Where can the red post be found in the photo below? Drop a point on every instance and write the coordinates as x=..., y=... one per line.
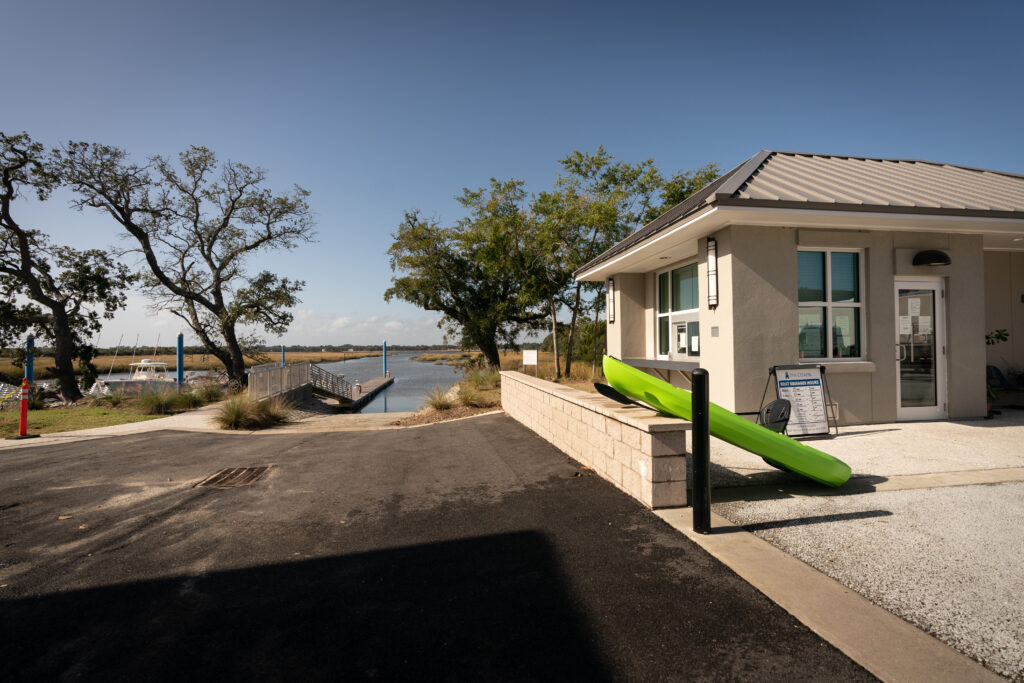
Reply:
x=23, y=421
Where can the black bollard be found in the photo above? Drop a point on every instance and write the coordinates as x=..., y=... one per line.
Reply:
x=701, y=453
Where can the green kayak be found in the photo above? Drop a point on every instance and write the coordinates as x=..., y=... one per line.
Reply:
x=776, y=448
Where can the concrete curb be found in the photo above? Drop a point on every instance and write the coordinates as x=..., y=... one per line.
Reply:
x=881, y=642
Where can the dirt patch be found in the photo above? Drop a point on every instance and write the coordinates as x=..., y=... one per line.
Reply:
x=429, y=415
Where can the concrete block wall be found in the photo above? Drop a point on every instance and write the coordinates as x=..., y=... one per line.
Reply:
x=636, y=449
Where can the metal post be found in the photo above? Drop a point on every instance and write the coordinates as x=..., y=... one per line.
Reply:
x=181, y=359
x=282, y=355
x=30, y=344
x=385, y=358
x=701, y=453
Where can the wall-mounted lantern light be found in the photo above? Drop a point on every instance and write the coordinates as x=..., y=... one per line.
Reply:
x=611, y=300
x=931, y=257
x=712, y=272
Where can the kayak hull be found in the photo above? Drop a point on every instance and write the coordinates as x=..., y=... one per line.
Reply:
x=775, y=448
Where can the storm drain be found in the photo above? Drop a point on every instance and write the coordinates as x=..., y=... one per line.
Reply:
x=232, y=477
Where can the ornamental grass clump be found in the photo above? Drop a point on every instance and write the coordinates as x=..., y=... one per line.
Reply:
x=211, y=392
x=159, y=402
x=474, y=398
x=437, y=398
x=239, y=412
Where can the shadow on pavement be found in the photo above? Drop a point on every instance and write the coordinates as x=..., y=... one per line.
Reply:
x=803, y=521
x=490, y=608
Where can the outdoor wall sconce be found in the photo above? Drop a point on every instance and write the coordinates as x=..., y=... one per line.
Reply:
x=611, y=299
x=712, y=272
x=932, y=257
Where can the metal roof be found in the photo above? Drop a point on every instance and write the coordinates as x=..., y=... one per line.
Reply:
x=790, y=180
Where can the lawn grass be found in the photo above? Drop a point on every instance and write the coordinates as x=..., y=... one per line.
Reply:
x=52, y=420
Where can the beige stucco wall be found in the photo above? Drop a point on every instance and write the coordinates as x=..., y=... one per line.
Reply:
x=627, y=335
x=1004, y=308
x=757, y=317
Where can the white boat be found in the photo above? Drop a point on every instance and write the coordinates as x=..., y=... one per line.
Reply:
x=146, y=375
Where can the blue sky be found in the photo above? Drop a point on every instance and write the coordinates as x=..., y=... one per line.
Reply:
x=385, y=106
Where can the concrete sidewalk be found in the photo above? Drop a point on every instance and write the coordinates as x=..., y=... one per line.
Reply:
x=463, y=551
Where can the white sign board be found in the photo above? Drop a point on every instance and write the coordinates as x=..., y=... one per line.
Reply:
x=803, y=388
x=529, y=357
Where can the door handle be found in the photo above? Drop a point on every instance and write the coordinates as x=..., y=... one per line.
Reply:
x=901, y=353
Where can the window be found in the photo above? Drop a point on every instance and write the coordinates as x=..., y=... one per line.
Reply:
x=829, y=296
x=678, y=293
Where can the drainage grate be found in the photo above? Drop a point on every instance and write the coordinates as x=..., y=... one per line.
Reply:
x=231, y=477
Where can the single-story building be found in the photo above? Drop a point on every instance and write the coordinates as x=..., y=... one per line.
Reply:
x=887, y=272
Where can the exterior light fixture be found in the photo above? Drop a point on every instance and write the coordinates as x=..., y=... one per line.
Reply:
x=712, y=272
x=611, y=299
x=931, y=257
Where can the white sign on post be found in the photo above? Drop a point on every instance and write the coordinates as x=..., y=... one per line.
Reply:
x=803, y=388
x=529, y=357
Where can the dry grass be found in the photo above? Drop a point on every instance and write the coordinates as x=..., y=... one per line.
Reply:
x=44, y=365
x=239, y=412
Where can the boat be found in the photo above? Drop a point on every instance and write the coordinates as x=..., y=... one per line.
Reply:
x=145, y=375
x=777, y=449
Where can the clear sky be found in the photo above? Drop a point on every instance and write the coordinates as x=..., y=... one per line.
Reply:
x=377, y=107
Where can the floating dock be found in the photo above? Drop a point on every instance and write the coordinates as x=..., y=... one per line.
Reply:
x=366, y=393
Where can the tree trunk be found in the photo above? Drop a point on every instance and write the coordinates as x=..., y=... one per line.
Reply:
x=597, y=315
x=570, y=342
x=490, y=350
x=64, y=356
x=554, y=336
x=236, y=365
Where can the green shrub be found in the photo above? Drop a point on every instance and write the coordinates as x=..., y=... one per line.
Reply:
x=115, y=398
x=438, y=399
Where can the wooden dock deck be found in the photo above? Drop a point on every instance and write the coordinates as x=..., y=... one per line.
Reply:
x=370, y=389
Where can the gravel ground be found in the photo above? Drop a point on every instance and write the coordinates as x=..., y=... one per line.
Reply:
x=947, y=560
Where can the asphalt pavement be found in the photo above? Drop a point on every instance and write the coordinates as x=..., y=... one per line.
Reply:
x=470, y=550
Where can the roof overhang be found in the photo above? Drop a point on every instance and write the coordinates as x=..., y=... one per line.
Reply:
x=680, y=239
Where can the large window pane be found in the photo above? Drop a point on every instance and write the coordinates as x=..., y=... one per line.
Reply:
x=812, y=332
x=845, y=332
x=663, y=336
x=845, y=277
x=811, y=275
x=684, y=288
x=663, y=293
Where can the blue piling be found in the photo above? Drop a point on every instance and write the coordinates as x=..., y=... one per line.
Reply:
x=181, y=358
x=30, y=345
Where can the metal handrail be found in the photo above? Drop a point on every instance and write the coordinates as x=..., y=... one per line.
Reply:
x=329, y=382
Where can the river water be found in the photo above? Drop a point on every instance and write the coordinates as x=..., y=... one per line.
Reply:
x=413, y=380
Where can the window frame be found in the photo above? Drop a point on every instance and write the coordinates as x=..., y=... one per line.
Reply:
x=828, y=305
x=667, y=315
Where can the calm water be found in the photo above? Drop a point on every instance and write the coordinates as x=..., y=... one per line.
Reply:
x=412, y=380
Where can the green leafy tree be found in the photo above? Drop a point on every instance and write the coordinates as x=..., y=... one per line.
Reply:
x=597, y=201
x=59, y=293
x=195, y=224
x=471, y=272
x=680, y=186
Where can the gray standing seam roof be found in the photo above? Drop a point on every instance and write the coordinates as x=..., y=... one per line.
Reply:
x=791, y=180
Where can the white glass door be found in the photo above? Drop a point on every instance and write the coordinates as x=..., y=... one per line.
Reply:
x=920, y=349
